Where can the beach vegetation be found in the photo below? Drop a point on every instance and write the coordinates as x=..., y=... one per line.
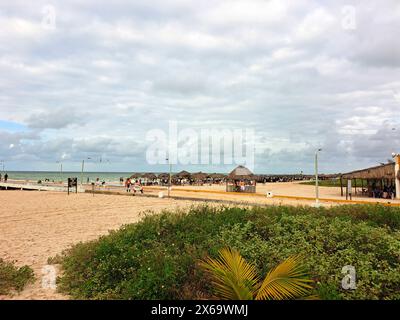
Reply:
x=162, y=256
x=13, y=278
x=233, y=278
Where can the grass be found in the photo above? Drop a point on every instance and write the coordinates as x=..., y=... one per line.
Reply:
x=158, y=258
x=13, y=278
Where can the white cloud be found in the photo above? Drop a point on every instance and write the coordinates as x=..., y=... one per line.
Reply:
x=110, y=72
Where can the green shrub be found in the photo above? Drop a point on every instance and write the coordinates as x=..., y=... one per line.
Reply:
x=157, y=258
x=13, y=278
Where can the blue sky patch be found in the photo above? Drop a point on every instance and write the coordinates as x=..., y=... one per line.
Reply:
x=11, y=126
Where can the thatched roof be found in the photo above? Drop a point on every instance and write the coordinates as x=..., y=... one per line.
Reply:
x=241, y=172
x=136, y=175
x=217, y=176
x=182, y=175
x=199, y=176
x=385, y=171
x=149, y=175
x=163, y=175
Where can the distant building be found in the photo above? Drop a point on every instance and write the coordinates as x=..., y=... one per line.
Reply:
x=380, y=181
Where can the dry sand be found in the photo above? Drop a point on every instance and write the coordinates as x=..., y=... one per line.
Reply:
x=37, y=225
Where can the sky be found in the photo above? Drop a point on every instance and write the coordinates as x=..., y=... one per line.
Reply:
x=91, y=79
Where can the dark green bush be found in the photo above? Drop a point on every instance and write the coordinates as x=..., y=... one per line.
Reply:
x=13, y=278
x=157, y=258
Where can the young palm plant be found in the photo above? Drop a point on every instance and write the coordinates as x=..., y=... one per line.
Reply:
x=235, y=279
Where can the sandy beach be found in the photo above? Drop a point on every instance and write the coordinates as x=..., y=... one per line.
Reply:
x=37, y=225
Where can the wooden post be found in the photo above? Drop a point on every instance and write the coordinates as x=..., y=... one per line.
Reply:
x=355, y=186
x=341, y=185
x=397, y=175
x=362, y=187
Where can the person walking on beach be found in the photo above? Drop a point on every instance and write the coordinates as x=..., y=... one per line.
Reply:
x=138, y=186
x=128, y=185
x=5, y=177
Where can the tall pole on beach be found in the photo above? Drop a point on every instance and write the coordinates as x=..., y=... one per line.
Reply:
x=170, y=176
x=60, y=170
x=83, y=166
x=316, y=178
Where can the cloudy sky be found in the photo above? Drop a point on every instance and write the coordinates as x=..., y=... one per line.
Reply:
x=83, y=79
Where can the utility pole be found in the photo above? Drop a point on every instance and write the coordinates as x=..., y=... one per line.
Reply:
x=61, y=170
x=170, y=177
x=83, y=166
x=316, y=178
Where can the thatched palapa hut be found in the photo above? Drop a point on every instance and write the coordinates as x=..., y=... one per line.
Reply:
x=146, y=178
x=198, y=178
x=241, y=179
x=182, y=177
x=216, y=178
x=380, y=181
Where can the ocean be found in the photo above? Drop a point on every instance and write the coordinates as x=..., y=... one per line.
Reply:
x=57, y=176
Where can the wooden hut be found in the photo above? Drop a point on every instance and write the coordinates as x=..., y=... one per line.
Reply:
x=378, y=181
x=216, y=178
x=163, y=178
x=135, y=175
x=182, y=177
x=241, y=179
x=198, y=178
x=148, y=178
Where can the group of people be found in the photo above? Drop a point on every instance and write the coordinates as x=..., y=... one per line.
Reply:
x=5, y=177
x=388, y=192
x=136, y=185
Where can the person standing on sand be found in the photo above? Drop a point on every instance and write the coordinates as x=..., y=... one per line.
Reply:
x=5, y=177
x=138, y=186
x=128, y=185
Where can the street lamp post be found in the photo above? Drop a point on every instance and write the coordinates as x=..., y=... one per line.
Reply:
x=170, y=177
x=61, y=170
x=316, y=178
x=83, y=167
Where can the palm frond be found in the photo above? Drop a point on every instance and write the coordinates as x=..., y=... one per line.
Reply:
x=233, y=278
x=287, y=281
